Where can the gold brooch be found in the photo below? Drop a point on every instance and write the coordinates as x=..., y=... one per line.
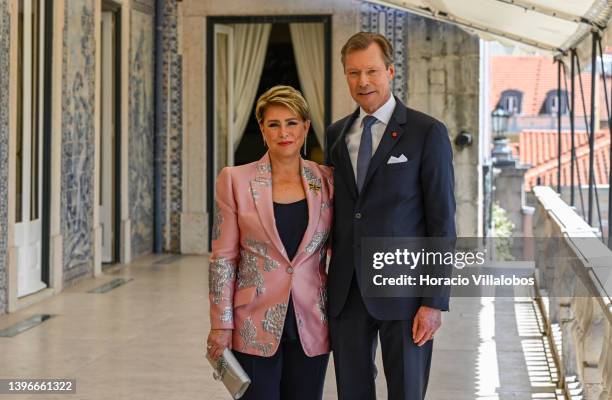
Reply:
x=314, y=186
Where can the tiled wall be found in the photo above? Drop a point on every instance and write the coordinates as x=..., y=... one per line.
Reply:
x=391, y=23
x=77, y=158
x=78, y=139
x=142, y=134
x=172, y=137
x=142, y=114
x=4, y=136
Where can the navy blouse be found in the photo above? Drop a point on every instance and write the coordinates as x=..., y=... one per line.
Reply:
x=291, y=223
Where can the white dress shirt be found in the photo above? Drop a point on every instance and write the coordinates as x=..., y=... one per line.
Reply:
x=353, y=136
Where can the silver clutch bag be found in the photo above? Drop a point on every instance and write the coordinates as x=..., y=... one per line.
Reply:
x=229, y=371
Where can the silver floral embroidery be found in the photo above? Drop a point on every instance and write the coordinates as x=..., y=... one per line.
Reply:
x=227, y=315
x=264, y=168
x=314, y=183
x=275, y=319
x=264, y=348
x=322, y=304
x=259, y=247
x=263, y=181
x=220, y=272
x=248, y=272
x=325, y=205
x=255, y=194
x=248, y=333
x=308, y=174
x=317, y=239
x=270, y=264
x=262, y=249
x=217, y=221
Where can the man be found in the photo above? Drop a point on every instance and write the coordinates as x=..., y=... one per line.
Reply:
x=411, y=196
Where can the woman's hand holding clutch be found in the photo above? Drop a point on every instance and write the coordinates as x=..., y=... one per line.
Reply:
x=218, y=340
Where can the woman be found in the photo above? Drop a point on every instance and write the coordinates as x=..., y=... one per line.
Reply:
x=267, y=272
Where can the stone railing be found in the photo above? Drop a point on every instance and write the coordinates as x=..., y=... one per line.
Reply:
x=574, y=287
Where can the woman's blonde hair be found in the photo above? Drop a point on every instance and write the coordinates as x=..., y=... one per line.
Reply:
x=284, y=96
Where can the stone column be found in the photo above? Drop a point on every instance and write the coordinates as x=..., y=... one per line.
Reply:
x=509, y=193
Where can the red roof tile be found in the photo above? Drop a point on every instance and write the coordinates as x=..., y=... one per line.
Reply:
x=535, y=76
x=539, y=149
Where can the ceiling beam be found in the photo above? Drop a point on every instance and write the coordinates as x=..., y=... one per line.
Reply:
x=453, y=19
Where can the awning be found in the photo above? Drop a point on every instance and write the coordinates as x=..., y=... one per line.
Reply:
x=552, y=26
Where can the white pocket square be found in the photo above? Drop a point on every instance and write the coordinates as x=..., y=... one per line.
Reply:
x=397, y=160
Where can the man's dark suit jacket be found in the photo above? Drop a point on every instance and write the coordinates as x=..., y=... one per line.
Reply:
x=410, y=199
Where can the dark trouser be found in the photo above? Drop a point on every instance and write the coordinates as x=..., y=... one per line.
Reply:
x=288, y=375
x=353, y=339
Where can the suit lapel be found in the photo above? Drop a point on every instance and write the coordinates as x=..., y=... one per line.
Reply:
x=312, y=183
x=388, y=141
x=261, y=190
x=345, y=159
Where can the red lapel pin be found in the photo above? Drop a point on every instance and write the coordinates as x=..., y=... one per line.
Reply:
x=394, y=135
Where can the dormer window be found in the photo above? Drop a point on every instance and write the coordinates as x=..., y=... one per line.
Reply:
x=551, y=104
x=511, y=101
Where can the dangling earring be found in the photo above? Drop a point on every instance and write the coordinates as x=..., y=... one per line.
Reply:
x=264, y=140
x=305, y=140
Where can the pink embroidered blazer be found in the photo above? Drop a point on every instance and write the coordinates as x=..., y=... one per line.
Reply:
x=250, y=276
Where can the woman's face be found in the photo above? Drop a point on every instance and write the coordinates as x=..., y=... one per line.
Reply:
x=284, y=132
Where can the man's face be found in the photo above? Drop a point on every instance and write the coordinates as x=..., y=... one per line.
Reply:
x=368, y=79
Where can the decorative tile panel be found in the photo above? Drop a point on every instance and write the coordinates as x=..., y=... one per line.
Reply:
x=175, y=155
x=172, y=131
x=77, y=166
x=4, y=137
x=141, y=142
x=390, y=23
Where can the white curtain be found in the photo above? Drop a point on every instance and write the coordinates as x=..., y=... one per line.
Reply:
x=222, y=107
x=250, y=45
x=308, y=46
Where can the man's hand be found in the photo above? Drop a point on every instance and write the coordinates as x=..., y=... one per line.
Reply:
x=218, y=340
x=426, y=322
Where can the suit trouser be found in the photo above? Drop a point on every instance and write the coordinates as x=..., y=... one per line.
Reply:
x=353, y=339
x=288, y=375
